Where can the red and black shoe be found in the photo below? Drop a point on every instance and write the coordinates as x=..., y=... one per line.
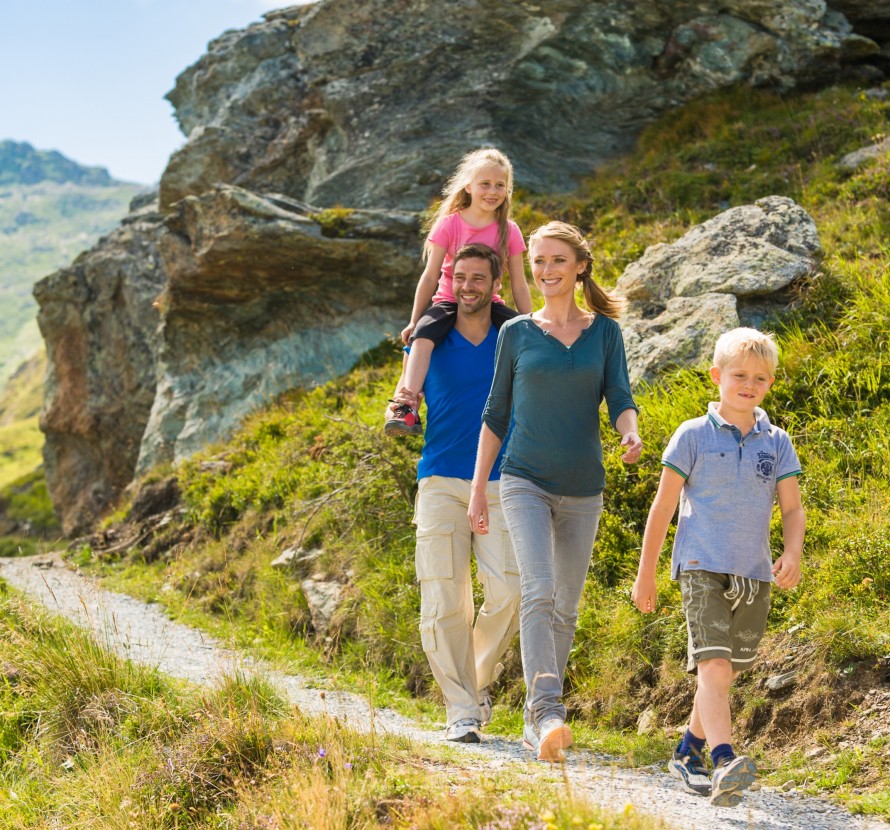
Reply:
x=405, y=421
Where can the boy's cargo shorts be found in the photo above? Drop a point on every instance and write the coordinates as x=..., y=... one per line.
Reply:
x=725, y=617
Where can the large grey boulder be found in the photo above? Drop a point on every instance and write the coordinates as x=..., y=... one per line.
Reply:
x=734, y=269
x=354, y=102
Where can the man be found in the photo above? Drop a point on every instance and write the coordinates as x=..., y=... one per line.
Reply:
x=463, y=657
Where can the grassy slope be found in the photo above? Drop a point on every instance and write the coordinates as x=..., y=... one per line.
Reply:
x=314, y=471
x=42, y=228
x=20, y=437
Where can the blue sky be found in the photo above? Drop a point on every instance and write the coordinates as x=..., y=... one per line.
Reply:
x=88, y=77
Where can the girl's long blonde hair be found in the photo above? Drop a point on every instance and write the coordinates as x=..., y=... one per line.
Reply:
x=596, y=298
x=455, y=197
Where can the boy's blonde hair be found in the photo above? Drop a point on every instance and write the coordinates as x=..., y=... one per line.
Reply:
x=745, y=342
x=455, y=197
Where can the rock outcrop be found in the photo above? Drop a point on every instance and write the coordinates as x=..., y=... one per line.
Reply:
x=368, y=104
x=260, y=300
x=102, y=339
x=735, y=269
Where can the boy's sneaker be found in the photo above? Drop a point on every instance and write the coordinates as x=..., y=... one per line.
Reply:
x=465, y=731
x=730, y=780
x=691, y=770
x=550, y=741
x=405, y=421
x=484, y=707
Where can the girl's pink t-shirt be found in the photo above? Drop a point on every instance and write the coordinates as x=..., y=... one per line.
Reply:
x=451, y=232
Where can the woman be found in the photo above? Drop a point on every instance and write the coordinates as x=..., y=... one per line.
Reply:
x=552, y=370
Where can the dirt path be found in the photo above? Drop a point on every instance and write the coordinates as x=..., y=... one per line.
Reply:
x=142, y=632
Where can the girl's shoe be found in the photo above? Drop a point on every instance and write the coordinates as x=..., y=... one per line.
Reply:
x=405, y=421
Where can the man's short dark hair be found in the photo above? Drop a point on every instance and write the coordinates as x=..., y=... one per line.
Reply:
x=476, y=250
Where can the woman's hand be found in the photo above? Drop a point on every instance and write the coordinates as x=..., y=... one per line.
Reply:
x=407, y=332
x=477, y=512
x=634, y=445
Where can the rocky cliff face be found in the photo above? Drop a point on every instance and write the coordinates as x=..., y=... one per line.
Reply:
x=230, y=288
x=369, y=102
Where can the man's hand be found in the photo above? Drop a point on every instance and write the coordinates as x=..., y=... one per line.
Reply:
x=404, y=395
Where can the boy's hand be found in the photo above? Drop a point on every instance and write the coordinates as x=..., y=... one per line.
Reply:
x=644, y=594
x=786, y=570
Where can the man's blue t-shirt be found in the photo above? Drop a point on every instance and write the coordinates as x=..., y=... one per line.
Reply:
x=456, y=389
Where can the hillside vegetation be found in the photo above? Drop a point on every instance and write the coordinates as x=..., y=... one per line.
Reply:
x=51, y=209
x=314, y=471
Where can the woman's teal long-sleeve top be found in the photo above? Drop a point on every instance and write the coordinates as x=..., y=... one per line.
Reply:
x=553, y=394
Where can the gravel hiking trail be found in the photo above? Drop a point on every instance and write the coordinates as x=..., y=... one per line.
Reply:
x=144, y=634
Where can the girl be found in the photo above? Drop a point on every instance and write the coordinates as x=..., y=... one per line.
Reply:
x=475, y=208
x=552, y=370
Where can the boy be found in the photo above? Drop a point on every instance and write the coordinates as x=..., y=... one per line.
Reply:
x=725, y=469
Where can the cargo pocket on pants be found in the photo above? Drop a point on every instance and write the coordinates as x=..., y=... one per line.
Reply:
x=428, y=629
x=433, y=557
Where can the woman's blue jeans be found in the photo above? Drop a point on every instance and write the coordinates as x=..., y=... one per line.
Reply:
x=552, y=537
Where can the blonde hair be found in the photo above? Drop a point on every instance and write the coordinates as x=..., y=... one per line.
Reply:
x=596, y=298
x=745, y=342
x=455, y=197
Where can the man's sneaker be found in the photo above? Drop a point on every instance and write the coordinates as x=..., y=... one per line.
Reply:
x=484, y=707
x=691, y=770
x=550, y=741
x=405, y=421
x=730, y=780
x=464, y=731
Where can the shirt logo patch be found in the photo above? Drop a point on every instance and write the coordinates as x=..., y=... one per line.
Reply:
x=765, y=466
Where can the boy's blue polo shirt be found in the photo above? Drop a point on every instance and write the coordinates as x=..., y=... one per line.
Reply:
x=727, y=500
x=456, y=389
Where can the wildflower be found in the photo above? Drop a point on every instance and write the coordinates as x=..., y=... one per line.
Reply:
x=347, y=765
x=548, y=816
x=628, y=809
x=321, y=752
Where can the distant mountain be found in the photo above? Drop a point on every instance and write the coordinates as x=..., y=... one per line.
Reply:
x=20, y=163
x=51, y=209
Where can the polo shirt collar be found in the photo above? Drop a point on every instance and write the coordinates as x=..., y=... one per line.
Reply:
x=761, y=419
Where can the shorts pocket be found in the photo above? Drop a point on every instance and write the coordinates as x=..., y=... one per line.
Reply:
x=433, y=558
